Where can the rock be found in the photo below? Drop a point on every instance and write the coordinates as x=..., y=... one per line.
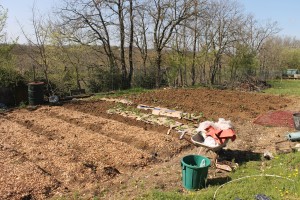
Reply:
x=268, y=155
x=296, y=147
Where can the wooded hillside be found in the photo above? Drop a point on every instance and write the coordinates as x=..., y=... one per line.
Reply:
x=105, y=45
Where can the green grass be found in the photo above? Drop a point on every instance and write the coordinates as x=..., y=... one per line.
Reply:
x=278, y=179
x=119, y=93
x=284, y=87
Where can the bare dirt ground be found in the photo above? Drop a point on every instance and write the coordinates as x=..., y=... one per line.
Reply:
x=79, y=150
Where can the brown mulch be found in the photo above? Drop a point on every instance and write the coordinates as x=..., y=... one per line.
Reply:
x=276, y=118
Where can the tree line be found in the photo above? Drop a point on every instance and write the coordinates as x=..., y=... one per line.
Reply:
x=117, y=44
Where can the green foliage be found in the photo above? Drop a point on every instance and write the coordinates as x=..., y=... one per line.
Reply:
x=10, y=77
x=22, y=104
x=123, y=93
x=157, y=195
x=291, y=58
x=205, y=58
x=175, y=63
x=5, y=54
x=243, y=63
x=284, y=87
x=68, y=80
x=131, y=91
x=3, y=18
x=144, y=80
x=104, y=81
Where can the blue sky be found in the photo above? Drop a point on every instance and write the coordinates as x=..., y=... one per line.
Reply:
x=20, y=12
x=285, y=12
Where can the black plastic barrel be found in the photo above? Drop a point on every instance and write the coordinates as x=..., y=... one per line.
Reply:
x=36, y=93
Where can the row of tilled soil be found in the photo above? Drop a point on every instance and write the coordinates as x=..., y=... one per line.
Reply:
x=20, y=178
x=84, y=142
x=33, y=156
x=59, y=150
x=152, y=142
x=100, y=108
x=70, y=154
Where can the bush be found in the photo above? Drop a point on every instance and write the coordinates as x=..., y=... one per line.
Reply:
x=144, y=81
x=104, y=81
x=13, y=88
x=10, y=78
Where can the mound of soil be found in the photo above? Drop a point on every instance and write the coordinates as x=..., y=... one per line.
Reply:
x=214, y=104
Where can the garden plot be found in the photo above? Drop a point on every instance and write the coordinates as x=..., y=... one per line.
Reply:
x=149, y=141
x=16, y=170
x=79, y=149
x=65, y=150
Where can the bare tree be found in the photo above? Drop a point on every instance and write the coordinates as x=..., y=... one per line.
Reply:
x=71, y=55
x=165, y=16
x=5, y=53
x=203, y=34
x=38, y=45
x=200, y=9
x=253, y=34
x=195, y=35
x=140, y=34
x=222, y=21
x=101, y=22
x=131, y=40
x=270, y=58
x=3, y=18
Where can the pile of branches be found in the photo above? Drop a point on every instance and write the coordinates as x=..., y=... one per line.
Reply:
x=251, y=84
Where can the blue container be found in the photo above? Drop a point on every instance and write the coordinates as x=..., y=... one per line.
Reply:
x=293, y=136
x=194, y=171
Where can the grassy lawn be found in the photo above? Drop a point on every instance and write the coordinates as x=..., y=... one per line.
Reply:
x=277, y=179
x=119, y=93
x=284, y=87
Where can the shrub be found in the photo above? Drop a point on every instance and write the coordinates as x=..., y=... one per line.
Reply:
x=10, y=78
x=104, y=80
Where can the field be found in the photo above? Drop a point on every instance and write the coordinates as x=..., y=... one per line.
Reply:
x=284, y=87
x=78, y=150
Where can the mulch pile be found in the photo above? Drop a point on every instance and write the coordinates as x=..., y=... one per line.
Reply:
x=276, y=118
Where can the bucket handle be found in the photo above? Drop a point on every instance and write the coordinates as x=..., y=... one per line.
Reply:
x=183, y=166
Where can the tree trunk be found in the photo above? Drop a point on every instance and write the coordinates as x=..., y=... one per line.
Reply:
x=213, y=71
x=122, y=46
x=130, y=56
x=193, y=71
x=158, y=62
x=77, y=78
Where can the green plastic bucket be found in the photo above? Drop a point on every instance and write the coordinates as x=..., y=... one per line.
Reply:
x=36, y=93
x=194, y=171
